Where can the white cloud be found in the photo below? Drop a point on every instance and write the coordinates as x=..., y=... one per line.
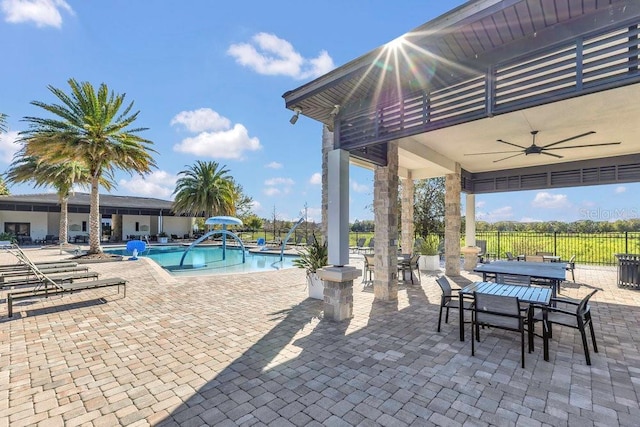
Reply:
x=504, y=213
x=359, y=188
x=620, y=190
x=316, y=179
x=41, y=12
x=228, y=144
x=272, y=191
x=528, y=219
x=273, y=165
x=278, y=186
x=256, y=206
x=480, y=204
x=201, y=120
x=8, y=146
x=279, y=181
x=159, y=184
x=270, y=55
x=547, y=200
x=313, y=215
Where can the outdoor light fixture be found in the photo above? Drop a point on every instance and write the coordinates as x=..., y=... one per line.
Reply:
x=294, y=118
x=335, y=111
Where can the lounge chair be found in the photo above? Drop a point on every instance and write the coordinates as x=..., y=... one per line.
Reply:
x=43, y=270
x=59, y=278
x=52, y=287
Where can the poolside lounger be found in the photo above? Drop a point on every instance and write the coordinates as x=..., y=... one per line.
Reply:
x=25, y=267
x=61, y=288
x=30, y=272
x=51, y=287
x=58, y=278
x=44, y=264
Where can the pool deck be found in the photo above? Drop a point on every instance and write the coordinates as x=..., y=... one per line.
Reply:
x=251, y=349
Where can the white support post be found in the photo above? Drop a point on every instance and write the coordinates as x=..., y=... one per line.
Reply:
x=338, y=207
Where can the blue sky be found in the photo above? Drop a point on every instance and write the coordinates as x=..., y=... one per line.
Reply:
x=208, y=79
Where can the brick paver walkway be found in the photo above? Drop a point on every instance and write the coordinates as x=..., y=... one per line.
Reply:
x=253, y=350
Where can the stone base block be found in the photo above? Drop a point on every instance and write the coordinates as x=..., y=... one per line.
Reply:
x=338, y=291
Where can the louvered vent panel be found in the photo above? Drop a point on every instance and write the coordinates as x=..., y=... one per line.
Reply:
x=629, y=172
x=533, y=180
x=565, y=178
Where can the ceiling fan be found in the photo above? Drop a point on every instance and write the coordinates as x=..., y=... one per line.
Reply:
x=542, y=149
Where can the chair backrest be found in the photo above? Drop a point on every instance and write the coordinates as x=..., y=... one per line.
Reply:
x=572, y=262
x=368, y=261
x=360, y=242
x=482, y=244
x=371, y=242
x=260, y=241
x=513, y=279
x=497, y=310
x=535, y=258
x=414, y=260
x=583, y=307
x=510, y=256
x=444, y=285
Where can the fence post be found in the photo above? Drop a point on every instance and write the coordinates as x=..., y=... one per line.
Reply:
x=555, y=243
x=499, y=252
x=626, y=242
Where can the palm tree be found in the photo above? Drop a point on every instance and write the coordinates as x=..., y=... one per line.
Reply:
x=3, y=123
x=61, y=176
x=205, y=189
x=93, y=128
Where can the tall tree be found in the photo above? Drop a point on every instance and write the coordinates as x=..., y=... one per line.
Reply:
x=205, y=189
x=3, y=123
x=243, y=202
x=93, y=128
x=61, y=176
x=428, y=214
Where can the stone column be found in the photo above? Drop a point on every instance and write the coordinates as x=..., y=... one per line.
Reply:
x=116, y=226
x=470, y=220
x=452, y=223
x=385, y=207
x=407, y=227
x=327, y=145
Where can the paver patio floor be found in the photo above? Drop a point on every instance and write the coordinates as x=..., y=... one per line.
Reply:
x=253, y=350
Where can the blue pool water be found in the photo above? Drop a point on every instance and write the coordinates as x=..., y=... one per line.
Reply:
x=205, y=260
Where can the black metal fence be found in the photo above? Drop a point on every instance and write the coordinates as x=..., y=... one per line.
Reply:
x=589, y=248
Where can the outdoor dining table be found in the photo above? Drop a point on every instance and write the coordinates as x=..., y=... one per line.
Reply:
x=554, y=272
x=534, y=295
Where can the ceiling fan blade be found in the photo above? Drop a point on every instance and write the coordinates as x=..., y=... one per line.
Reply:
x=492, y=152
x=505, y=158
x=586, y=145
x=551, y=154
x=569, y=139
x=510, y=143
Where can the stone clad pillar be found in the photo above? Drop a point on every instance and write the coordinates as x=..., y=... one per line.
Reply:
x=452, y=222
x=470, y=220
x=338, y=276
x=327, y=145
x=385, y=207
x=407, y=227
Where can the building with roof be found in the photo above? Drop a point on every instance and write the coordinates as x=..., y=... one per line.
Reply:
x=38, y=215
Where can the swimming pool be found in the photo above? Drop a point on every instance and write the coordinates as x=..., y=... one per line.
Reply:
x=206, y=260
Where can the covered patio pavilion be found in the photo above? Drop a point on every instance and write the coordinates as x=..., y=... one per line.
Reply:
x=487, y=77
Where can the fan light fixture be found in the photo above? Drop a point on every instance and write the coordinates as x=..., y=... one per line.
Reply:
x=543, y=149
x=294, y=118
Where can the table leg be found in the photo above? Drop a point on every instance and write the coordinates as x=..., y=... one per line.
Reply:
x=530, y=322
x=461, y=317
x=545, y=333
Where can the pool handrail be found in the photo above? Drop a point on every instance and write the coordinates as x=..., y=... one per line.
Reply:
x=286, y=239
x=211, y=233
